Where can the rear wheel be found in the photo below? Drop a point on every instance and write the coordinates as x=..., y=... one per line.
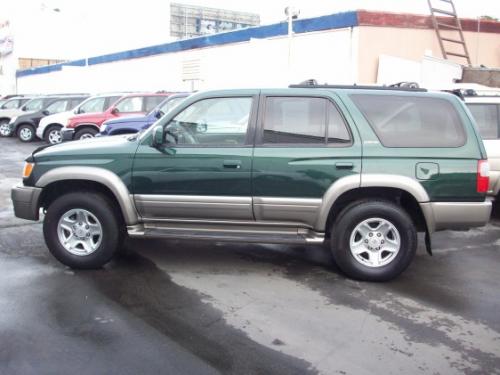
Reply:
x=5, y=130
x=83, y=230
x=26, y=133
x=86, y=133
x=373, y=240
x=53, y=135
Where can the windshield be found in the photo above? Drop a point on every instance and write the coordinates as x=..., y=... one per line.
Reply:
x=93, y=105
x=171, y=103
x=10, y=104
x=34, y=105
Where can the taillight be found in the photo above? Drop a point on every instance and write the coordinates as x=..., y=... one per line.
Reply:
x=483, y=176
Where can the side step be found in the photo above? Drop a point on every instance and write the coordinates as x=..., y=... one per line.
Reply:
x=229, y=234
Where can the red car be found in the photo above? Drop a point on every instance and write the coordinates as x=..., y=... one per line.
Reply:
x=87, y=125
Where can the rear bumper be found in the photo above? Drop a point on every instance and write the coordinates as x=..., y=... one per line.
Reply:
x=67, y=134
x=26, y=201
x=456, y=215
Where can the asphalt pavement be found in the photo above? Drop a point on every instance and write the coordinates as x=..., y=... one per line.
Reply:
x=188, y=307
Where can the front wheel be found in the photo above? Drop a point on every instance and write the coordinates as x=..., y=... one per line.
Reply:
x=5, y=129
x=26, y=133
x=86, y=133
x=373, y=240
x=83, y=230
x=53, y=135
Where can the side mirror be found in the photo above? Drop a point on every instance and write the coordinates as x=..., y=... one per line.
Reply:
x=114, y=111
x=201, y=128
x=158, y=136
x=159, y=114
x=23, y=108
x=45, y=112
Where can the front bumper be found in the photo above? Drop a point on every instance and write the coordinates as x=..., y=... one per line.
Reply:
x=67, y=134
x=456, y=215
x=26, y=201
x=39, y=131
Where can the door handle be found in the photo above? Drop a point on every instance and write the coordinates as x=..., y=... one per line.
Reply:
x=234, y=164
x=344, y=165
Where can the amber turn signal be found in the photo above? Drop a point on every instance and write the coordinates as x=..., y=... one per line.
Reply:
x=28, y=168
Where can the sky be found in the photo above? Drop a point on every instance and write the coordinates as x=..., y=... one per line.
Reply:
x=70, y=29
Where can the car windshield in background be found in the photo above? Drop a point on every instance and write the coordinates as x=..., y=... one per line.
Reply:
x=34, y=105
x=412, y=121
x=93, y=105
x=169, y=104
x=486, y=116
x=10, y=104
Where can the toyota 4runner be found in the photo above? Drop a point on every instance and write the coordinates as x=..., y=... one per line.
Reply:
x=359, y=169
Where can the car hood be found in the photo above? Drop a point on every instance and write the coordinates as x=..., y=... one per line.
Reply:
x=57, y=118
x=127, y=119
x=12, y=113
x=88, y=148
x=25, y=115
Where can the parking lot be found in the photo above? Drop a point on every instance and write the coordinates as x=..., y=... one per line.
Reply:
x=197, y=307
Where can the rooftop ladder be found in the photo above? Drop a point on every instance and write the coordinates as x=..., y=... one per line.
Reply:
x=446, y=22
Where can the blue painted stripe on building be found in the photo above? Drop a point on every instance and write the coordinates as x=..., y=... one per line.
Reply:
x=333, y=21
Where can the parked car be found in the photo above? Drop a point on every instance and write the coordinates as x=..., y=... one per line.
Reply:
x=24, y=126
x=6, y=115
x=87, y=125
x=50, y=126
x=484, y=104
x=359, y=169
x=130, y=125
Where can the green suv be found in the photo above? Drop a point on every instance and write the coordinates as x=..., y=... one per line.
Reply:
x=359, y=169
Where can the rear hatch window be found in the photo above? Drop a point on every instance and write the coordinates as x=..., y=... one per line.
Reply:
x=412, y=121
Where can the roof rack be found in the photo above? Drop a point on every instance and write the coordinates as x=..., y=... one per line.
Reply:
x=400, y=86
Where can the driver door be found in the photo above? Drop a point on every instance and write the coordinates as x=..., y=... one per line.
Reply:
x=203, y=169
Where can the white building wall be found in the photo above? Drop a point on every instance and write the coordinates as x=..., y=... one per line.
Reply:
x=325, y=55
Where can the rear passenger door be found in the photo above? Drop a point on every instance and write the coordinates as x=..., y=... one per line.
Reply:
x=304, y=144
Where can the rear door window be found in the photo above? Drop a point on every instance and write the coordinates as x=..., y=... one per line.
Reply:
x=412, y=121
x=486, y=116
x=303, y=120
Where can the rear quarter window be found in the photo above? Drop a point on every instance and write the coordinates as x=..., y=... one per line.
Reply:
x=412, y=121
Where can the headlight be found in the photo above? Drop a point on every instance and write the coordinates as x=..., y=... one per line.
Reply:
x=28, y=168
x=103, y=127
x=13, y=119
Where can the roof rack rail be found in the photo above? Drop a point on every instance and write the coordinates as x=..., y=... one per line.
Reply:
x=401, y=86
x=68, y=94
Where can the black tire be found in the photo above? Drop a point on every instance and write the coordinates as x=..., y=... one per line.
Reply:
x=113, y=229
x=85, y=133
x=26, y=133
x=5, y=131
x=49, y=134
x=355, y=214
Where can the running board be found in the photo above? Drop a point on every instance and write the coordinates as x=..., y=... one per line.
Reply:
x=228, y=233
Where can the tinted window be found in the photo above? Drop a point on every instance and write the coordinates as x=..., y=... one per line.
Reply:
x=131, y=104
x=486, y=116
x=93, y=105
x=300, y=120
x=218, y=121
x=34, y=105
x=11, y=104
x=410, y=121
x=74, y=102
x=152, y=101
x=57, y=107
